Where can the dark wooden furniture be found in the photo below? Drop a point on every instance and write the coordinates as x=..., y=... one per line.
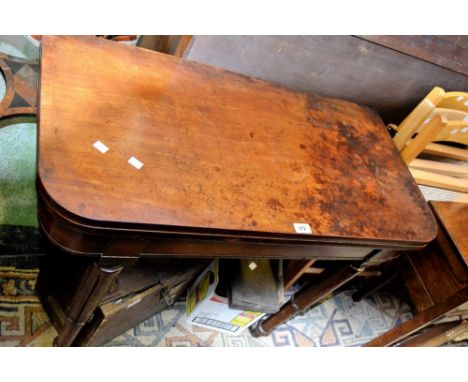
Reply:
x=450, y=52
x=227, y=166
x=140, y=291
x=21, y=93
x=437, y=282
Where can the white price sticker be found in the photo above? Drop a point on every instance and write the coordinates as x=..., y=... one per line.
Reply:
x=302, y=228
x=135, y=163
x=98, y=145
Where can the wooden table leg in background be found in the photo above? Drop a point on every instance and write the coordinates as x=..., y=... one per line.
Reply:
x=305, y=298
x=95, y=283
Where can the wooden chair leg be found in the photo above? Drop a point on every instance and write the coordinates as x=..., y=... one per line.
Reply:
x=448, y=169
x=427, y=178
x=410, y=124
x=420, y=320
x=415, y=146
x=446, y=151
x=305, y=298
x=89, y=293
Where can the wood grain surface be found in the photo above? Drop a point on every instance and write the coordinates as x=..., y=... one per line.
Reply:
x=454, y=219
x=345, y=67
x=20, y=76
x=221, y=152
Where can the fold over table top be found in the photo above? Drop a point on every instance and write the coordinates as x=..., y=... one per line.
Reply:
x=214, y=152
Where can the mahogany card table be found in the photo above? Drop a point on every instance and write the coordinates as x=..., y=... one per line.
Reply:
x=142, y=154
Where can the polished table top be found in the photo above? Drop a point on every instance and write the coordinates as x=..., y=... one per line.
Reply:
x=137, y=138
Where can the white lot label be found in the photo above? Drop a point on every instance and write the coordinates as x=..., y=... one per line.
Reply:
x=135, y=163
x=302, y=228
x=98, y=145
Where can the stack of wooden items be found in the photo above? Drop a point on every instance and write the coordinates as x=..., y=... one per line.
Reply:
x=440, y=117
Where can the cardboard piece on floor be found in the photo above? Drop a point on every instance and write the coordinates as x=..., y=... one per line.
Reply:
x=208, y=309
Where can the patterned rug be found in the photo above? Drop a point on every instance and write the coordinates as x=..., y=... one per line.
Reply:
x=23, y=321
x=338, y=321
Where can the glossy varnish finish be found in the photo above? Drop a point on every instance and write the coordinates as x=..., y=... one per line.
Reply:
x=221, y=152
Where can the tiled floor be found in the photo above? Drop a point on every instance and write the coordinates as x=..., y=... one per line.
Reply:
x=336, y=322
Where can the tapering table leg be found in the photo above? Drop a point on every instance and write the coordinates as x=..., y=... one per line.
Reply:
x=305, y=298
x=95, y=283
